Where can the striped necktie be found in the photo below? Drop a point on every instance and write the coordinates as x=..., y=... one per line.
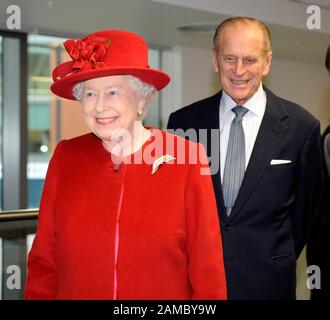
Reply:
x=235, y=159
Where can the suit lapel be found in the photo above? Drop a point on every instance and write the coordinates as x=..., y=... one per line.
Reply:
x=271, y=132
x=208, y=114
x=207, y=117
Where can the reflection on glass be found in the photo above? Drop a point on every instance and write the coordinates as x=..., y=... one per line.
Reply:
x=43, y=54
x=1, y=91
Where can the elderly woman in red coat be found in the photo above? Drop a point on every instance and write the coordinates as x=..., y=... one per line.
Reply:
x=127, y=211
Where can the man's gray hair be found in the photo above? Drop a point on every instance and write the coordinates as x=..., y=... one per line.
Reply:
x=243, y=21
x=142, y=89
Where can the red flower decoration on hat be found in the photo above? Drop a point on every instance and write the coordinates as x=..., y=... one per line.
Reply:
x=88, y=53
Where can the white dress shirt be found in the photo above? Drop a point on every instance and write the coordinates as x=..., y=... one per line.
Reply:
x=251, y=123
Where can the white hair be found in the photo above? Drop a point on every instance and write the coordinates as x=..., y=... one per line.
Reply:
x=142, y=89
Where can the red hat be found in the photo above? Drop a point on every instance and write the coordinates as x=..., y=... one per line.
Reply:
x=105, y=53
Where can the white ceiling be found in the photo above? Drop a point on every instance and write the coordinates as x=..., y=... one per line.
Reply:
x=158, y=20
x=290, y=13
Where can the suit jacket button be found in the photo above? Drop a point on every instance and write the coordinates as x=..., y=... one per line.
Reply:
x=227, y=227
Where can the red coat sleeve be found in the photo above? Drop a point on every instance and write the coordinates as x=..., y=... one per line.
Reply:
x=41, y=282
x=204, y=245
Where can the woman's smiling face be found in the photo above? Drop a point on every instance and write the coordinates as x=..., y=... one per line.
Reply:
x=110, y=105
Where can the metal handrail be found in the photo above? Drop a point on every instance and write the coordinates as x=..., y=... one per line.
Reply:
x=18, y=215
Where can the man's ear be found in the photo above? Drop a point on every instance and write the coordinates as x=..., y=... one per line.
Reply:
x=268, y=63
x=215, y=60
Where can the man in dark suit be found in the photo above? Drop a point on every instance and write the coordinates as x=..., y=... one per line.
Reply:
x=268, y=184
x=318, y=246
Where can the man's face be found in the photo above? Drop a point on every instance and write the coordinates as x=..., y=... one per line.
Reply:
x=240, y=61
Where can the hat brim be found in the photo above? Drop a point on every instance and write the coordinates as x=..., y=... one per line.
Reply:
x=63, y=87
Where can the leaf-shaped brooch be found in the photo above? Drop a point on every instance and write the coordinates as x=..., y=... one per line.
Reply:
x=163, y=159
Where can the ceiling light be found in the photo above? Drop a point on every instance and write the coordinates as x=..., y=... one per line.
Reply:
x=199, y=27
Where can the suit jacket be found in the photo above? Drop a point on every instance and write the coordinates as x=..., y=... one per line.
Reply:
x=271, y=219
x=318, y=245
x=105, y=233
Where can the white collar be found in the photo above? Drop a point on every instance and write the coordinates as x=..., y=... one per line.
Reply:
x=256, y=104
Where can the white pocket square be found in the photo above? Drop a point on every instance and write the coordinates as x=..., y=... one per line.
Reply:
x=279, y=161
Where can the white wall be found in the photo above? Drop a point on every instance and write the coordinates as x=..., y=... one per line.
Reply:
x=192, y=78
x=199, y=80
x=304, y=83
x=194, y=70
